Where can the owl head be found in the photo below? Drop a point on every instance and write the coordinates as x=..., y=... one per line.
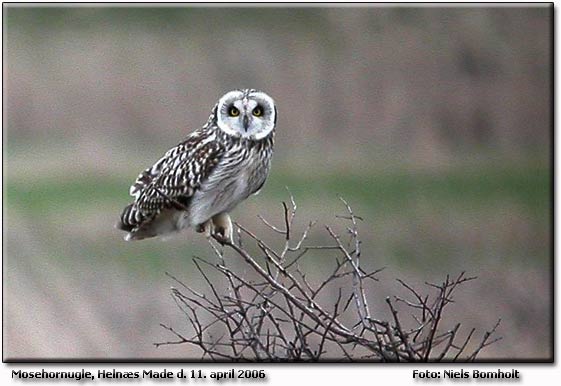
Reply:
x=246, y=113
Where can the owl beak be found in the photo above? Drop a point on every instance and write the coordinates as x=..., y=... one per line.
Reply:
x=245, y=122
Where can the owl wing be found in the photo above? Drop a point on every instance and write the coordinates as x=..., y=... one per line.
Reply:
x=172, y=181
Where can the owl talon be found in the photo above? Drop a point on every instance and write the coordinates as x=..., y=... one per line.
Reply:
x=223, y=230
x=219, y=236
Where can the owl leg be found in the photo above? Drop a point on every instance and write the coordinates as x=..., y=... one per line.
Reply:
x=205, y=228
x=223, y=228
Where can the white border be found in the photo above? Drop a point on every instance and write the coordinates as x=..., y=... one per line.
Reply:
x=320, y=374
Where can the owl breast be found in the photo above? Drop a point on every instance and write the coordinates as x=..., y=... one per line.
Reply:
x=238, y=175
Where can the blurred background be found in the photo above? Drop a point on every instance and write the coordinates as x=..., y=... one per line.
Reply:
x=433, y=123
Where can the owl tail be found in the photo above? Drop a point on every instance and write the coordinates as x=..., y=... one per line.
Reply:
x=141, y=227
x=130, y=218
x=129, y=222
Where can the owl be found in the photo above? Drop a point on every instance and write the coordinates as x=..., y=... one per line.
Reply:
x=198, y=182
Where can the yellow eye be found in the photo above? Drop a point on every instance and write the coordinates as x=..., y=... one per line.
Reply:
x=233, y=111
x=257, y=111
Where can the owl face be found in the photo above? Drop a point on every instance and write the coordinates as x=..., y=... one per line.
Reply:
x=248, y=114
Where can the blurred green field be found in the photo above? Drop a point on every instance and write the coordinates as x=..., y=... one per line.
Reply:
x=390, y=202
x=527, y=185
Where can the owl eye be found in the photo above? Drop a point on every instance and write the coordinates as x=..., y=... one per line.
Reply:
x=233, y=111
x=258, y=111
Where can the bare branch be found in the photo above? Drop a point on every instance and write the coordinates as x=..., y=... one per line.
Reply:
x=264, y=306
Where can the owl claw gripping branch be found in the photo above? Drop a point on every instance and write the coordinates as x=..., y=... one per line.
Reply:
x=198, y=182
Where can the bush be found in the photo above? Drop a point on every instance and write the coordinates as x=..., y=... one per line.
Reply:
x=270, y=311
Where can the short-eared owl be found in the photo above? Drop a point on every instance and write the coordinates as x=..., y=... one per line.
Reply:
x=199, y=181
